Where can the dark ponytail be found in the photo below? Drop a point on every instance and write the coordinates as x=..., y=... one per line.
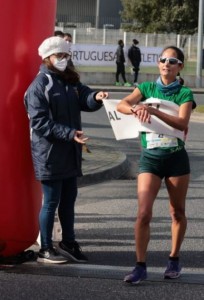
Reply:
x=180, y=79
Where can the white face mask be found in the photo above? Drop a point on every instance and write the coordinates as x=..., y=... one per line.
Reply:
x=60, y=64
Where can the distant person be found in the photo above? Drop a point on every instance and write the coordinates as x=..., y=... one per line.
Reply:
x=54, y=102
x=163, y=157
x=120, y=64
x=134, y=56
x=59, y=33
x=68, y=38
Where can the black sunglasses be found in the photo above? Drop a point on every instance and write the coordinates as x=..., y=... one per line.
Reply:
x=170, y=60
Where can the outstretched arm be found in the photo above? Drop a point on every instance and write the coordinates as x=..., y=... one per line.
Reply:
x=101, y=95
x=126, y=105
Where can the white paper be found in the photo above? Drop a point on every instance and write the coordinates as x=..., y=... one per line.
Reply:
x=128, y=126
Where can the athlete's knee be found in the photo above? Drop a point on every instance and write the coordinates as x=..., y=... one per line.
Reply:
x=144, y=217
x=178, y=215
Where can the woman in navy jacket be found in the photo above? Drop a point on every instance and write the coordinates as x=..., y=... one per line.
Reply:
x=54, y=102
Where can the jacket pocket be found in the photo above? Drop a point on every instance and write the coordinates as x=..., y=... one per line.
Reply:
x=61, y=157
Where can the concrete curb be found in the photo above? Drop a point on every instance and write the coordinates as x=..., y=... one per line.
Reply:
x=122, y=89
x=103, y=163
x=197, y=117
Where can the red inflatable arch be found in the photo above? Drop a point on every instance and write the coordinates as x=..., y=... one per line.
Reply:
x=24, y=25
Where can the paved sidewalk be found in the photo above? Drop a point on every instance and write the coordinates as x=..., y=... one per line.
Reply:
x=102, y=163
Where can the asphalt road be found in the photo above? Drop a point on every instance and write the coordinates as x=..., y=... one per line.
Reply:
x=105, y=215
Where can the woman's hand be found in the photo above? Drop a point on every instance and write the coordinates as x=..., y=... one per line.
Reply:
x=142, y=113
x=101, y=95
x=79, y=137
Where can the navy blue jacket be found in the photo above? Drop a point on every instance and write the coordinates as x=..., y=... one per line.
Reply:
x=54, y=109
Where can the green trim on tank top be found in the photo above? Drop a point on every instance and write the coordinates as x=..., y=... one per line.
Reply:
x=162, y=151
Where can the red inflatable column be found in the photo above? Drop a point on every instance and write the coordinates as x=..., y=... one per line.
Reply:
x=23, y=26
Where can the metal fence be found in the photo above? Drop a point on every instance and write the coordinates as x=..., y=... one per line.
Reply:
x=111, y=36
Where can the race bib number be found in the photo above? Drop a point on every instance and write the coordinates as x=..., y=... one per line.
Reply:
x=155, y=140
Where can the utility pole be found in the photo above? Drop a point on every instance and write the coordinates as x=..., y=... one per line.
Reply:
x=200, y=46
x=97, y=13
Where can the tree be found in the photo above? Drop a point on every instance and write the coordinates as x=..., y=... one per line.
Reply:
x=160, y=16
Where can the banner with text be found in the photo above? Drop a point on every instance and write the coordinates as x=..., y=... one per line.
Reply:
x=104, y=55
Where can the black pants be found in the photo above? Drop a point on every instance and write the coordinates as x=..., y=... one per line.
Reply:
x=136, y=72
x=120, y=69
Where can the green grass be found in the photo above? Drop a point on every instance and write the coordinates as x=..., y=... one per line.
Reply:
x=189, y=69
x=200, y=109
